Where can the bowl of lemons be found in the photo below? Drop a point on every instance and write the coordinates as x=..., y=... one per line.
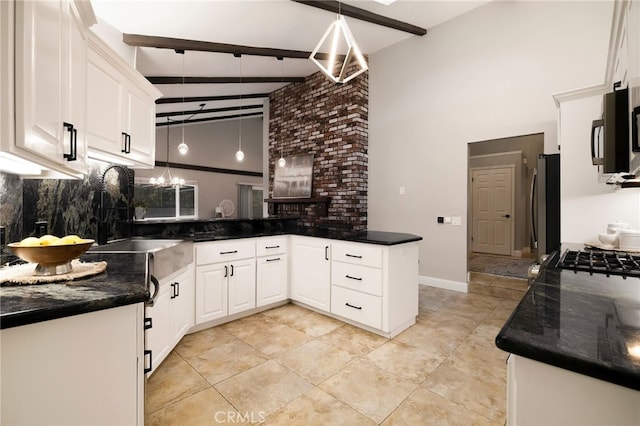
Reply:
x=52, y=254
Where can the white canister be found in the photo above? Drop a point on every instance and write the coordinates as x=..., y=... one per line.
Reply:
x=629, y=239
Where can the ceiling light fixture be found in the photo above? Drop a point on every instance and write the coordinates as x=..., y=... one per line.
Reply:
x=343, y=53
x=239, y=153
x=183, y=148
x=166, y=179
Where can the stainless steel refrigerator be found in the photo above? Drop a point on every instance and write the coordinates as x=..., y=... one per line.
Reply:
x=545, y=204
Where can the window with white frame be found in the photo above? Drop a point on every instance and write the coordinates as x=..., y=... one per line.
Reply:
x=167, y=202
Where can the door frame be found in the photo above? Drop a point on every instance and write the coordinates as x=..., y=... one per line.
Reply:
x=513, y=205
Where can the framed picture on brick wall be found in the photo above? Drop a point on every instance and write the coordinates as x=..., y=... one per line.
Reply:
x=295, y=178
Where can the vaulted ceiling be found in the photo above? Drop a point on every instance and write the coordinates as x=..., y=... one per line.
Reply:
x=226, y=73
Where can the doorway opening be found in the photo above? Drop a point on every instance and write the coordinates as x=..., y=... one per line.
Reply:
x=499, y=205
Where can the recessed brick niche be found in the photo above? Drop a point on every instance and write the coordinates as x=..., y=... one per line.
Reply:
x=331, y=122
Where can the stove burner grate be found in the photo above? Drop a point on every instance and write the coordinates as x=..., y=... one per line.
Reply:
x=601, y=262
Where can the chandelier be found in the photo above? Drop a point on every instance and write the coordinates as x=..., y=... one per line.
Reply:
x=343, y=53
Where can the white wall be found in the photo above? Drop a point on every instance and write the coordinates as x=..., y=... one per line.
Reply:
x=485, y=75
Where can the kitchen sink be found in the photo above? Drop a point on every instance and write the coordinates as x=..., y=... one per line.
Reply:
x=136, y=246
x=163, y=257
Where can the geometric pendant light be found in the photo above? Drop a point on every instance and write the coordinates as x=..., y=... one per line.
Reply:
x=343, y=52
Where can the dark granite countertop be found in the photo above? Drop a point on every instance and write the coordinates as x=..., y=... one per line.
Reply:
x=123, y=283
x=368, y=237
x=586, y=323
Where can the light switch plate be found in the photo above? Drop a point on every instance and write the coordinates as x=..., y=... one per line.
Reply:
x=456, y=220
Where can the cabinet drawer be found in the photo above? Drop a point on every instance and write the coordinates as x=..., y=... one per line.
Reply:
x=223, y=251
x=361, y=307
x=271, y=245
x=357, y=277
x=357, y=254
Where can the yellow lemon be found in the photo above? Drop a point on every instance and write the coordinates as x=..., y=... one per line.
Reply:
x=70, y=240
x=48, y=240
x=30, y=242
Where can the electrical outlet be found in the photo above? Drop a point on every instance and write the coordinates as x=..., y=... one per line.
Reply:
x=456, y=220
x=402, y=190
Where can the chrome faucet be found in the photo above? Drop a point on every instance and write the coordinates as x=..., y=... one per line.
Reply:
x=102, y=216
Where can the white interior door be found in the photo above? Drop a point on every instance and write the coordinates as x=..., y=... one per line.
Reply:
x=492, y=195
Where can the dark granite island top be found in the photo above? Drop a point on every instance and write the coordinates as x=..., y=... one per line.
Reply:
x=122, y=283
x=589, y=324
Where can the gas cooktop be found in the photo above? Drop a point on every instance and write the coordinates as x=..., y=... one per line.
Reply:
x=601, y=262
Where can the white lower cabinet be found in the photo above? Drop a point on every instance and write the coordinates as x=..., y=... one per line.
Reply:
x=542, y=394
x=172, y=314
x=224, y=288
x=357, y=306
x=375, y=285
x=311, y=272
x=83, y=369
x=272, y=276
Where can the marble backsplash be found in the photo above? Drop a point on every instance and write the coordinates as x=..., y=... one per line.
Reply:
x=67, y=206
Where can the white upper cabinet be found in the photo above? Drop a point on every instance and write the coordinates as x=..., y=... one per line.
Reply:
x=50, y=80
x=120, y=109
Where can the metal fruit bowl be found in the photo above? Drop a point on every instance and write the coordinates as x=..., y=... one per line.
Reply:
x=52, y=259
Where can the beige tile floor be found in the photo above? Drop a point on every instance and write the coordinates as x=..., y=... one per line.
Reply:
x=292, y=366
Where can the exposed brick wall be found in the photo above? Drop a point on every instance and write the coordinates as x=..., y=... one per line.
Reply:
x=331, y=122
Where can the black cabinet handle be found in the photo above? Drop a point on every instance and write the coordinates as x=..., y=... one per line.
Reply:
x=353, y=255
x=354, y=307
x=226, y=271
x=73, y=142
x=273, y=260
x=229, y=252
x=353, y=278
x=148, y=369
x=148, y=323
x=231, y=270
x=271, y=247
x=326, y=252
x=126, y=142
x=173, y=290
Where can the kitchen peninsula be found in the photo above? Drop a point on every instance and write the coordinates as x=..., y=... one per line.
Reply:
x=574, y=341
x=371, y=281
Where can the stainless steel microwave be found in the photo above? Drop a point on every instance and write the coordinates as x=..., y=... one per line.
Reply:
x=610, y=135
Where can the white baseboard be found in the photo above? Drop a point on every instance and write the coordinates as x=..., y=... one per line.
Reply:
x=441, y=283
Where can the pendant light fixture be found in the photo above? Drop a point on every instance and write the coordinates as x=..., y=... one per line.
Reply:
x=166, y=179
x=183, y=148
x=239, y=153
x=338, y=63
x=281, y=162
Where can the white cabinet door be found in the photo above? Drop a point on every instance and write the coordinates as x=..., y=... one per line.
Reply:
x=211, y=292
x=311, y=272
x=272, y=279
x=183, y=304
x=242, y=285
x=50, y=79
x=78, y=370
x=140, y=128
x=105, y=101
x=121, y=109
x=159, y=336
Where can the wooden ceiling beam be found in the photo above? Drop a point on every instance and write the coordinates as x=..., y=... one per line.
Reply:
x=364, y=15
x=223, y=117
x=211, y=98
x=221, y=80
x=180, y=44
x=206, y=111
